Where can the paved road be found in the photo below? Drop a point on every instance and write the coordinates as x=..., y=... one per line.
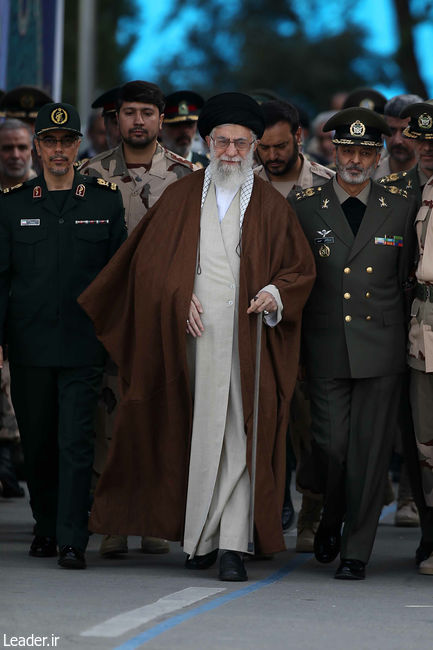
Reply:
x=151, y=602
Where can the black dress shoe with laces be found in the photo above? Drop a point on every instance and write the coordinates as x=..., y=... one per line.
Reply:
x=71, y=558
x=43, y=546
x=350, y=570
x=232, y=567
x=202, y=561
x=327, y=544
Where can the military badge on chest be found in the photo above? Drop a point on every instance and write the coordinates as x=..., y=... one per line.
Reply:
x=324, y=240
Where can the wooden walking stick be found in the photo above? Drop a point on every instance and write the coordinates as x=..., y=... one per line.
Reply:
x=255, y=426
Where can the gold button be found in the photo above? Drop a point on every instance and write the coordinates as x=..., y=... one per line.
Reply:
x=348, y=319
x=347, y=269
x=369, y=269
x=368, y=294
x=368, y=318
x=347, y=295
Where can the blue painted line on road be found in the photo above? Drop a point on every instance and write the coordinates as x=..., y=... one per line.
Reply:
x=141, y=639
x=173, y=621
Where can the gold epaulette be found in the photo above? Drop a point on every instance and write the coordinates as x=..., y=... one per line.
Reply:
x=104, y=183
x=391, y=178
x=310, y=191
x=11, y=189
x=80, y=163
x=396, y=190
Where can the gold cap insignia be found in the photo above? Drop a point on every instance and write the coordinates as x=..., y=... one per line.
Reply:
x=27, y=101
x=59, y=116
x=183, y=108
x=357, y=129
x=425, y=121
x=81, y=190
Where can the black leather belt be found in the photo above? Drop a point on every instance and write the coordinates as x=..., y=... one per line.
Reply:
x=424, y=292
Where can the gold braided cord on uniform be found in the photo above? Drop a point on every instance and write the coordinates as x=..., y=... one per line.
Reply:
x=181, y=118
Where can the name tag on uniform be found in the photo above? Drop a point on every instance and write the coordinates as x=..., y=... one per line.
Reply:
x=91, y=221
x=396, y=240
x=30, y=222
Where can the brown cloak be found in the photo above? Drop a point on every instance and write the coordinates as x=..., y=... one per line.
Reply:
x=139, y=304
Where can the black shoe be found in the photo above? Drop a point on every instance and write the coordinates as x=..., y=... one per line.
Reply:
x=423, y=552
x=327, y=544
x=202, y=561
x=43, y=546
x=350, y=570
x=71, y=558
x=288, y=514
x=232, y=567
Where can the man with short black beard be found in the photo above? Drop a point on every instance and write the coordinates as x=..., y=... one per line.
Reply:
x=278, y=151
x=354, y=334
x=219, y=250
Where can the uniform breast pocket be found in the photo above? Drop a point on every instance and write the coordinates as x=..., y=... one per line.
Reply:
x=91, y=245
x=30, y=248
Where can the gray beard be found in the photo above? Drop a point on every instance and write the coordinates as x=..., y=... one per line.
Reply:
x=362, y=176
x=230, y=177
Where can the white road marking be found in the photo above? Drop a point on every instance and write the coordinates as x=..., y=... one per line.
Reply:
x=135, y=617
x=418, y=605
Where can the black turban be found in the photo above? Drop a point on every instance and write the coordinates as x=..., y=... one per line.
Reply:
x=231, y=108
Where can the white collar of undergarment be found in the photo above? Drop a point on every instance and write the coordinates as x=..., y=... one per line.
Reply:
x=223, y=196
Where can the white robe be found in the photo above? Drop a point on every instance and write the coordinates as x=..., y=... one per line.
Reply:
x=218, y=501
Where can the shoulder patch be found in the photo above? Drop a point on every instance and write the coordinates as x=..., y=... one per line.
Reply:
x=306, y=194
x=107, y=184
x=13, y=188
x=391, y=178
x=392, y=189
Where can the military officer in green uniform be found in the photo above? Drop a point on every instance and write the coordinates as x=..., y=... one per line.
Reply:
x=417, y=131
x=57, y=231
x=354, y=334
x=179, y=127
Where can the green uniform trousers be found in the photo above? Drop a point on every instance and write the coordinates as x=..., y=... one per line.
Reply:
x=353, y=426
x=55, y=410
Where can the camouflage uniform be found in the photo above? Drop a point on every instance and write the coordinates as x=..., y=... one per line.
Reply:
x=312, y=174
x=139, y=191
x=421, y=344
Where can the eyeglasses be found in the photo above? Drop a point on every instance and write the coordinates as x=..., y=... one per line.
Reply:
x=65, y=143
x=241, y=144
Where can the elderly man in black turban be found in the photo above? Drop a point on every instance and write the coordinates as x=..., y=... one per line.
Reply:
x=218, y=248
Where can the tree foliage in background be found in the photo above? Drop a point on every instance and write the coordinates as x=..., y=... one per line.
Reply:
x=292, y=47
x=109, y=54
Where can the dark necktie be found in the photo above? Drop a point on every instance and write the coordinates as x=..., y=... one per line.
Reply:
x=354, y=210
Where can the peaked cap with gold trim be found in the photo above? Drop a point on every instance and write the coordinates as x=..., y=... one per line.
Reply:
x=182, y=106
x=357, y=126
x=57, y=115
x=420, y=126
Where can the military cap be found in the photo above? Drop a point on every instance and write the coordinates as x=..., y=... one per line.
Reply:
x=366, y=98
x=56, y=116
x=107, y=101
x=182, y=106
x=420, y=126
x=23, y=102
x=357, y=126
x=262, y=95
x=141, y=91
x=231, y=108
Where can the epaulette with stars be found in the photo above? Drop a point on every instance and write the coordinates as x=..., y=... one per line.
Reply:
x=13, y=188
x=391, y=178
x=392, y=189
x=306, y=194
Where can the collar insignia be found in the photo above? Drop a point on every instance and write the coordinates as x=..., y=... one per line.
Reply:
x=383, y=203
x=81, y=190
x=325, y=203
x=37, y=192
